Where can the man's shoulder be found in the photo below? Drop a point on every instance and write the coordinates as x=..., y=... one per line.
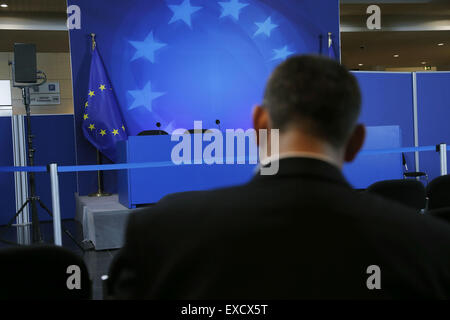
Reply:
x=379, y=215
x=189, y=205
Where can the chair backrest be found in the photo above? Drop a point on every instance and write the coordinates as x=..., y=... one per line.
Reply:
x=193, y=131
x=438, y=192
x=408, y=192
x=153, y=133
x=43, y=273
x=405, y=165
x=441, y=214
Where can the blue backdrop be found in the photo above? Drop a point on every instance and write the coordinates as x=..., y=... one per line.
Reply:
x=54, y=143
x=433, y=100
x=177, y=61
x=388, y=100
x=7, y=188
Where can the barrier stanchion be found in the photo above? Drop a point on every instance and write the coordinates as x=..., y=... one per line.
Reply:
x=54, y=181
x=54, y=170
x=443, y=156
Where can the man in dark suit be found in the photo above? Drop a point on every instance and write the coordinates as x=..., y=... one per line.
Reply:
x=300, y=234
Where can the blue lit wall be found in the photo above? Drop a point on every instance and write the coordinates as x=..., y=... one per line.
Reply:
x=387, y=100
x=176, y=61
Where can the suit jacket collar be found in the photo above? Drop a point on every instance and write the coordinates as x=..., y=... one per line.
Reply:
x=297, y=167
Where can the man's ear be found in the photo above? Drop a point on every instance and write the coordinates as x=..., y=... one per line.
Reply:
x=260, y=120
x=355, y=143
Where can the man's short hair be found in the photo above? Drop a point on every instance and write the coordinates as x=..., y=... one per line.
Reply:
x=314, y=94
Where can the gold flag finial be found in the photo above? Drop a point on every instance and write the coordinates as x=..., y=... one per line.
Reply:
x=93, y=41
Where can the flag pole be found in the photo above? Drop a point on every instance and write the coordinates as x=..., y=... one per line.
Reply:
x=93, y=41
x=100, y=192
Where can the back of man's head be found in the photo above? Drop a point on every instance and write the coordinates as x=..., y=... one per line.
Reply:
x=315, y=95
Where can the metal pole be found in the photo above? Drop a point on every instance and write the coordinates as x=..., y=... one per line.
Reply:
x=99, y=174
x=55, y=203
x=443, y=154
x=23, y=220
x=37, y=236
x=100, y=193
x=416, y=122
x=24, y=179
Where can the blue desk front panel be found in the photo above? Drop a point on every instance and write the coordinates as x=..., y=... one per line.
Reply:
x=367, y=169
x=149, y=185
x=7, y=187
x=142, y=186
x=433, y=109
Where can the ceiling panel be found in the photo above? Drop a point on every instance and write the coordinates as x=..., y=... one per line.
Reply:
x=46, y=41
x=40, y=6
x=428, y=9
x=378, y=48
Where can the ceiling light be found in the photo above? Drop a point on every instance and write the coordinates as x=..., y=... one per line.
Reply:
x=396, y=55
x=423, y=62
x=360, y=64
x=440, y=44
x=4, y=5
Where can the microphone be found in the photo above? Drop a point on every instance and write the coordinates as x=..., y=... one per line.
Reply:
x=218, y=124
x=158, y=125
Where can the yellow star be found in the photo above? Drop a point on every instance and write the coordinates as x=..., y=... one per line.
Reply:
x=102, y=87
x=86, y=116
x=92, y=127
x=91, y=93
x=86, y=104
x=103, y=132
x=115, y=132
x=123, y=128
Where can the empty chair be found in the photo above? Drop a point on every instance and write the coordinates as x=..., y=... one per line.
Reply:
x=410, y=193
x=43, y=273
x=441, y=214
x=412, y=174
x=438, y=192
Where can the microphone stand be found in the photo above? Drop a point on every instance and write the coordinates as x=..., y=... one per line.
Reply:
x=33, y=199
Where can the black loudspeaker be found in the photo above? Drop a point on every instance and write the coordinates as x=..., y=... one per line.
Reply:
x=25, y=63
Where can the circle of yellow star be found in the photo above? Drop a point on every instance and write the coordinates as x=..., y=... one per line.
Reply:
x=86, y=104
x=103, y=132
x=123, y=128
x=92, y=127
x=91, y=93
x=102, y=87
x=115, y=132
x=86, y=116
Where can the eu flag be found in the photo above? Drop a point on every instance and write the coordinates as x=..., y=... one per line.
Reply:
x=103, y=123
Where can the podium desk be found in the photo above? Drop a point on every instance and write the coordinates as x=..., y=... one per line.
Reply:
x=148, y=185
